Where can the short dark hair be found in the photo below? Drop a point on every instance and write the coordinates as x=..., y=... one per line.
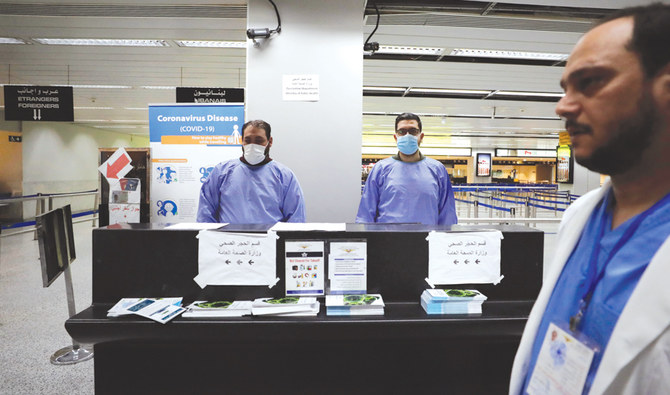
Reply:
x=260, y=124
x=406, y=116
x=651, y=30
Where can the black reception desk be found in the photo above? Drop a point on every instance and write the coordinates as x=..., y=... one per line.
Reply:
x=404, y=351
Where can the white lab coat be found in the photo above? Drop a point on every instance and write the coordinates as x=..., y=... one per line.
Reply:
x=637, y=357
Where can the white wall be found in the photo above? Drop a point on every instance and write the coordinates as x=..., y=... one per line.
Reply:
x=63, y=157
x=320, y=141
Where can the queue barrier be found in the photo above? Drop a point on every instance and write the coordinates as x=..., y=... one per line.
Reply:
x=45, y=203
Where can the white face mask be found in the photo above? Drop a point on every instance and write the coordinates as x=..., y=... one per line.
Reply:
x=254, y=153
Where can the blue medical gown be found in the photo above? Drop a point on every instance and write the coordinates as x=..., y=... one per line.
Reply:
x=238, y=193
x=397, y=191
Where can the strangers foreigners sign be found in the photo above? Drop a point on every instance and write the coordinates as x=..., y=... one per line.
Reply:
x=187, y=141
x=38, y=103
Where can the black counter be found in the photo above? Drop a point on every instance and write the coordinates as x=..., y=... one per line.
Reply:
x=405, y=350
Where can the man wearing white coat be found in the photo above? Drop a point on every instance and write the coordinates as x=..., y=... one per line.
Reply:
x=601, y=323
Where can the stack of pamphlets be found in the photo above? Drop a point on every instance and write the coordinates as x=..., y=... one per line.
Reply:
x=367, y=304
x=158, y=309
x=219, y=308
x=452, y=301
x=286, y=306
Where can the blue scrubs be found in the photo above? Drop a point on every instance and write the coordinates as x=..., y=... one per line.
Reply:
x=408, y=192
x=623, y=263
x=238, y=193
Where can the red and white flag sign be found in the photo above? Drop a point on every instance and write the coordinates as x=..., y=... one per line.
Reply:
x=117, y=166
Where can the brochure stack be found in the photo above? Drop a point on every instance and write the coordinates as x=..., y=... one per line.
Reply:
x=286, y=306
x=452, y=301
x=367, y=304
x=219, y=308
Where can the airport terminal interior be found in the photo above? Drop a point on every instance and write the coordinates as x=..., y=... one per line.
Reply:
x=483, y=76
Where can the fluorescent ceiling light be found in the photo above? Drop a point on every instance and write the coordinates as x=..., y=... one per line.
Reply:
x=102, y=86
x=540, y=94
x=384, y=88
x=211, y=44
x=93, y=108
x=12, y=40
x=408, y=50
x=103, y=42
x=115, y=126
x=136, y=108
x=450, y=91
x=158, y=87
x=489, y=53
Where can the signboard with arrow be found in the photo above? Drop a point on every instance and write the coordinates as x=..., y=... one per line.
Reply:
x=117, y=166
x=38, y=103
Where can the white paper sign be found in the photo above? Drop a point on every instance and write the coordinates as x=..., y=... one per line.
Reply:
x=347, y=267
x=305, y=268
x=464, y=258
x=236, y=258
x=300, y=87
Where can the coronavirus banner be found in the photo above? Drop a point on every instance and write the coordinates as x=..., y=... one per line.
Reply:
x=187, y=141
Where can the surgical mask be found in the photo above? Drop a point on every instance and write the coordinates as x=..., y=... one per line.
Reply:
x=254, y=153
x=408, y=144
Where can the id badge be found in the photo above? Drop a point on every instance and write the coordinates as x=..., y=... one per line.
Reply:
x=562, y=365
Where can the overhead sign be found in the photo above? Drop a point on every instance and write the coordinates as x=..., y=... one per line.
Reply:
x=210, y=95
x=38, y=103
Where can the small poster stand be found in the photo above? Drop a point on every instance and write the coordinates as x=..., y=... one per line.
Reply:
x=56, y=242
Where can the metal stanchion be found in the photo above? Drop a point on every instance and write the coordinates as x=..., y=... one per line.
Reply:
x=75, y=353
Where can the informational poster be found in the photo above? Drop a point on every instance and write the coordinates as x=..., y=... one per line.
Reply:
x=226, y=258
x=305, y=267
x=483, y=165
x=347, y=267
x=464, y=257
x=564, y=164
x=124, y=201
x=187, y=141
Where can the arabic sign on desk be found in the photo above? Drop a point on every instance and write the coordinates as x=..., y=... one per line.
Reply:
x=464, y=258
x=38, y=103
x=226, y=258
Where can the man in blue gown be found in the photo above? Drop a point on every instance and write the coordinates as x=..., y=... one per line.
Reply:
x=408, y=187
x=606, y=296
x=253, y=189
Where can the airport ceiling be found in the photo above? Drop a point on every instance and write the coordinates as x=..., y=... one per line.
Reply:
x=114, y=84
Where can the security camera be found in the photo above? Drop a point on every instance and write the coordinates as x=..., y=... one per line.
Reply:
x=371, y=47
x=259, y=33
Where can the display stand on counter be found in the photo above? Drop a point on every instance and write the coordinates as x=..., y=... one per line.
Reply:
x=401, y=351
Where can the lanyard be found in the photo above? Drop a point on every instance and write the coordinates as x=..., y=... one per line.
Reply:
x=594, y=279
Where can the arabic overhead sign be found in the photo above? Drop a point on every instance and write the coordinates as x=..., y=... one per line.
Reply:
x=210, y=95
x=38, y=103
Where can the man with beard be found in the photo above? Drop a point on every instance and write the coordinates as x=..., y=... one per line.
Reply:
x=253, y=189
x=607, y=295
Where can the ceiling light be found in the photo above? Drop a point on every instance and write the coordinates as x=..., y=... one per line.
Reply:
x=384, y=88
x=11, y=40
x=407, y=50
x=93, y=108
x=211, y=44
x=102, y=86
x=158, y=87
x=450, y=91
x=103, y=42
x=537, y=94
x=489, y=53
x=136, y=108
x=114, y=126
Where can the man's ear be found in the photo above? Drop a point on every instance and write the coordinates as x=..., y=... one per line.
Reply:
x=661, y=89
x=420, y=138
x=395, y=137
x=270, y=142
